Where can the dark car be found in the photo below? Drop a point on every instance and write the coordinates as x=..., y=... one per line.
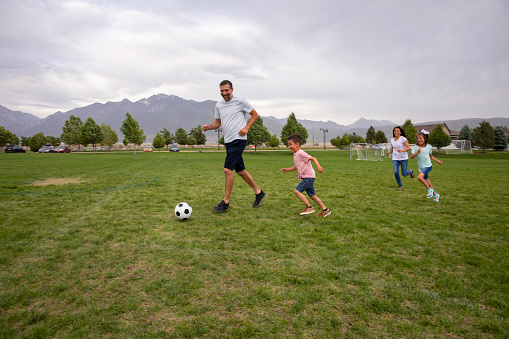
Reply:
x=62, y=149
x=174, y=148
x=14, y=149
x=46, y=149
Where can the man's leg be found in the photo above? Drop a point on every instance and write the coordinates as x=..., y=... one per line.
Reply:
x=249, y=179
x=259, y=194
x=228, y=184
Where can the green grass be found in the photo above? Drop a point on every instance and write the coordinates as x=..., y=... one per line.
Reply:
x=103, y=255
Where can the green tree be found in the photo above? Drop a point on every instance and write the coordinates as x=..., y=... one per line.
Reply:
x=293, y=127
x=25, y=141
x=181, y=136
x=336, y=142
x=37, y=141
x=370, y=135
x=198, y=135
x=71, y=131
x=258, y=134
x=344, y=141
x=191, y=141
x=380, y=137
x=132, y=132
x=466, y=134
x=168, y=137
x=14, y=139
x=5, y=136
x=273, y=141
x=438, y=138
x=354, y=138
x=55, y=141
x=484, y=136
x=410, y=131
x=110, y=137
x=500, y=139
x=159, y=141
x=91, y=133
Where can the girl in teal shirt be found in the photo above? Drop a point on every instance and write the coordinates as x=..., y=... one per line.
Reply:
x=423, y=153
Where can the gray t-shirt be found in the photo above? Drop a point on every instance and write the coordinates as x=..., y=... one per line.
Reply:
x=233, y=115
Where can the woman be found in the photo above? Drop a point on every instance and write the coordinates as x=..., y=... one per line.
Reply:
x=399, y=150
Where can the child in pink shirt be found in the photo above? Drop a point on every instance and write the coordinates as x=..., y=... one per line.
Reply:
x=306, y=173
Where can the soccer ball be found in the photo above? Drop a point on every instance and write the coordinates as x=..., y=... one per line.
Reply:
x=183, y=211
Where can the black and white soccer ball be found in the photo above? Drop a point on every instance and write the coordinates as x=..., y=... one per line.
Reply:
x=183, y=211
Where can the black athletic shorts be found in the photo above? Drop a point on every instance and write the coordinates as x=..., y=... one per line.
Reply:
x=234, y=152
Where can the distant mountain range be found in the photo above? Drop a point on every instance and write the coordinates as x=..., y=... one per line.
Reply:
x=171, y=112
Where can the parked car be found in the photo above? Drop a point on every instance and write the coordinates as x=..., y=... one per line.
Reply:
x=62, y=149
x=14, y=149
x=147, y=149
x=379, y=147
x=47, y=149
x=174, y=148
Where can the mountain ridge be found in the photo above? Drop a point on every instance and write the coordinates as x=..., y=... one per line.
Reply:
x=171, y=112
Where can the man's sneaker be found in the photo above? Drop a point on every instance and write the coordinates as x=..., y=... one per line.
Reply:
x=258, y=199
x=325, y=213
x=221, y=207
x=307, y=210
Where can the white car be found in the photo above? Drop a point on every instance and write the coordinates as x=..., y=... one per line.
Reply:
x=46, y=149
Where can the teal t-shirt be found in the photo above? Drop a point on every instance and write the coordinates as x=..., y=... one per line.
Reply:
x=423, y=159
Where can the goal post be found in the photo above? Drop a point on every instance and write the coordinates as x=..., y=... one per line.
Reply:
x=365, y=151
x=458, y=147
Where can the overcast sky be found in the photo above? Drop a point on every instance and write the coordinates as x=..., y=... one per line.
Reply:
x=324, y=60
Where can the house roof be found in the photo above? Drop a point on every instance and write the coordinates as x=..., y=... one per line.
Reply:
x=431, y=127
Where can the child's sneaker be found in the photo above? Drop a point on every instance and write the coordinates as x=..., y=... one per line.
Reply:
x=325, y=213
x=430, y=193
x=307, y=210
x=436, y=197
x=221, y=207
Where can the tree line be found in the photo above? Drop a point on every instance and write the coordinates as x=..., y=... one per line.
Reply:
x=75, y=132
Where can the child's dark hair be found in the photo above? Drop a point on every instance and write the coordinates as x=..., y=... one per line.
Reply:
x=425, y=136
x=400, y=129
x=295, y=138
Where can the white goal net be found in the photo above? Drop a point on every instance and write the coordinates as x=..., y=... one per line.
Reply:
x=458, y=147
x=365, y=151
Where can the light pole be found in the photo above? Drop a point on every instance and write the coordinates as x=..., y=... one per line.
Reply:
x=219, y=130
x=325, y=130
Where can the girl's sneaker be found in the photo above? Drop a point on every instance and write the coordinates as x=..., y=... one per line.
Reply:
x=430, y=193
x=436, y=197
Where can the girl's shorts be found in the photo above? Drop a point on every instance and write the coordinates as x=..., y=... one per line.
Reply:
x=426, y=170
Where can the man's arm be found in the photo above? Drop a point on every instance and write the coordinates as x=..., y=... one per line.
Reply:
x=252, y=120
x=215, y=125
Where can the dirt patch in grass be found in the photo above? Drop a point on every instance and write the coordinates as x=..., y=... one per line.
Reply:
x=59, y=181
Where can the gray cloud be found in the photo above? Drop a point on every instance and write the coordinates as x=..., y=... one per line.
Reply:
x=333, y=60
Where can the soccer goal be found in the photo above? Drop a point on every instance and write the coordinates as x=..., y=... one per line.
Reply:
x=364, y=151
x=458, y=147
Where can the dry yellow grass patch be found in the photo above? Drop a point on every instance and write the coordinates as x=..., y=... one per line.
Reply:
x=59, y=181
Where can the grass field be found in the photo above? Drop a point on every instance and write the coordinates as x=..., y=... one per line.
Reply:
x=90, y=248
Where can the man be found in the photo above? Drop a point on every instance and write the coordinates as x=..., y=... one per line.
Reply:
x=231, y=114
